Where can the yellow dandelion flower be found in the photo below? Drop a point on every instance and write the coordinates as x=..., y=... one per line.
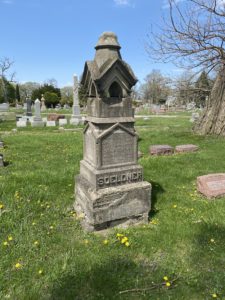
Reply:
x=174, y=206
x=127, y=244
x=214, y=295
x=154, y=222
x=10, y=238
x=1, y=206
x=105, y=242
x=36, y=243
x=51, y=227
x=168, y=284
x=34, y=223
x=119, y=234
x=40, y=272
x=86, y=242
x=212, y=240
x=18, y=265
x=5, y=243
x=124, y=240
x=165, y=278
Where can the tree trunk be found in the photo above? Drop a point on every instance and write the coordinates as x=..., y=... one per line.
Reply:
x=212, y=120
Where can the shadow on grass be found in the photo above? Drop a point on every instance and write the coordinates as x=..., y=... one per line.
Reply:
x=208, y=259
x=102, y=281
x=156, y=190
x=7, y=163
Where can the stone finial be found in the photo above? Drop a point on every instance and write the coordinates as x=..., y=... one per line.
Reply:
x=108, y=40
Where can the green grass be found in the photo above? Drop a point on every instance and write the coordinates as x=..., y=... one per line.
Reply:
x=37, y=191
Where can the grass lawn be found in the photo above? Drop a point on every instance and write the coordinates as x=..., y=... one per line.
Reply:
x=46, y=255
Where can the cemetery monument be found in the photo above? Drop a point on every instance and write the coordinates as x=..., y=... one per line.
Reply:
x=76, y=117
x=110, y=190
x=37, y=120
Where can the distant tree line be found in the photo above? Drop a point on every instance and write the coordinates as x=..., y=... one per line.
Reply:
x=186, y=88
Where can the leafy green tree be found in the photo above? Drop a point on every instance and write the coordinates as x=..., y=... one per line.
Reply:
x=7, y=91
x=46, y=88
x=51, y=99
x=67, y=95
x=82, y=92
x=17, y=93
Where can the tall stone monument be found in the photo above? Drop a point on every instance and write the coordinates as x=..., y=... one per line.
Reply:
x=76, y=117
x=43, y=107
x=110, y=189
x=37, y=120
x=29, y=110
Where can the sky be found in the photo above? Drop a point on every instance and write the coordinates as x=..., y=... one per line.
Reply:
x=53, y=38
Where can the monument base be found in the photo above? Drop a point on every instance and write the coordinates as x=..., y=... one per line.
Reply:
x=76, y=121
x=36, y=123
x=122, y=206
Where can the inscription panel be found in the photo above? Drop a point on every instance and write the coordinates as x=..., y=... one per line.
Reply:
x=216, y=185
x=118, y=148
x=118, y=178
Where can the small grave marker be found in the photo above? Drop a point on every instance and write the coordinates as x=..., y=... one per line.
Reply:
x=212, y=185
x=161, y=150
x=50, y=124
x=186, y=148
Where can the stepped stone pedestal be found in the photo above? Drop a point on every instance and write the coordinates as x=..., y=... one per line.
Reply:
x=110, y=190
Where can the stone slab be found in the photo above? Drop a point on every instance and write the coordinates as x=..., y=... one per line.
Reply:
x=211, y=185
x=62, y=122
x=1, y=144
x=112, y=206
x=50, y=124
x=21, y=123
x=161, y=150
x=186, y=148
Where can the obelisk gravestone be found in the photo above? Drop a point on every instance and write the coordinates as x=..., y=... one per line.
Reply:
x=76, y=117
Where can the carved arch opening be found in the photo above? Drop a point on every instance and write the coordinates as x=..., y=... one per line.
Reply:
x=115, y=90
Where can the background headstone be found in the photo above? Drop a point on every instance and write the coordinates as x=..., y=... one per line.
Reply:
x=4, y=107
x=62, y=122
x=29, y=110
x=161, y=150
x=76, y=117
x=21, y=123
x=50, y=124
x=186, y=148
x=1, y=160
x=37, y=120
x=43, y=107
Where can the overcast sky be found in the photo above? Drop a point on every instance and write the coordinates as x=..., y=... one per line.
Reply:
x=53, y=38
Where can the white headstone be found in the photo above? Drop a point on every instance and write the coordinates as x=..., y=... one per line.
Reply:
x=50, y=124
x=21, y=123
x=43, y=107
x=37, y=120
x=62, y=122
x=1, y=161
